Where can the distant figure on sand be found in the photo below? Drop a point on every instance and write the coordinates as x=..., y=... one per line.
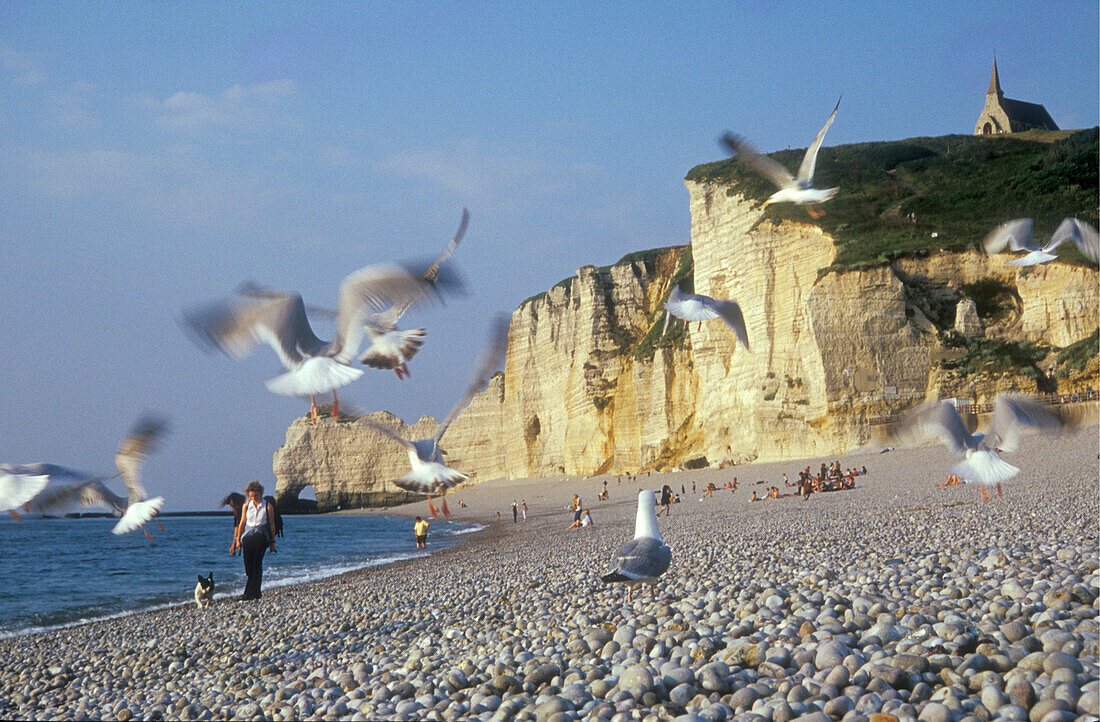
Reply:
x=420, y=530
x=666, y=500
x=254, y=535
x=523, y=508
x=515, y=511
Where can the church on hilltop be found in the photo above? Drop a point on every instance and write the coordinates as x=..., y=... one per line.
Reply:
x=1005, y=115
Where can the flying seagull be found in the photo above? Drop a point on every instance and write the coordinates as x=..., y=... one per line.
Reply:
x=390, y=347
x=695, y=307
x=430, y=474
x=313, y=366
x=645, y=557
x=798, y=190
x=1012, y=417
x=1017, y=236
x=53, y=489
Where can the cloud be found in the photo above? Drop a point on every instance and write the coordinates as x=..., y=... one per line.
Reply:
x=72, y=108
x=237, y=108
x=23, y=68
x=477, y=170
x=69, y=175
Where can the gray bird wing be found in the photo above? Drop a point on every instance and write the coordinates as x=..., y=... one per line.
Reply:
x=936, y=420
x=390, y=434
x=730, y=312
x=762, y=164
x=1014, y=416
x=235, y=326
x=1014, y=236
x=809, y=161
x=1083, y=236
x=68, y=497
x=491, y=359
x=133, y=450
x=643, y=558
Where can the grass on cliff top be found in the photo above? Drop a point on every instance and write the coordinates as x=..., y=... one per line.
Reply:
x=959, y=186
x=647, y=256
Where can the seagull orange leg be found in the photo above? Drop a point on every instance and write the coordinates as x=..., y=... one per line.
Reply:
x=985, y=494
x=147, y=534
x=15, y=515
x=160, y=525
x=313, y=408
x=446, y=509
x=999, y=494
x=335, y=407
x=814, y=212
x=432, y=511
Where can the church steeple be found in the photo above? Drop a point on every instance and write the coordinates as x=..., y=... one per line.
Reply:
x=995, y=82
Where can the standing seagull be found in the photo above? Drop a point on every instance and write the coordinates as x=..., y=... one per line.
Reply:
x=1012, y=417
x=1017, y=236
x=798, y=190
x=278, y=319
x=646, y=556
x=695, y=307
x=61, y=490
x=429, y=472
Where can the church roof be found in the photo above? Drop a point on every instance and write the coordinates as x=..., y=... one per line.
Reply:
x=1027, y=113
x=994, y=81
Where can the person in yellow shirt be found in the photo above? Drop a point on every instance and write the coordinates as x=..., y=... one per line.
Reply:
x=420, y=529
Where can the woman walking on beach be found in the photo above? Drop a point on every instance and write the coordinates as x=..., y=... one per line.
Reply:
x=254, y=535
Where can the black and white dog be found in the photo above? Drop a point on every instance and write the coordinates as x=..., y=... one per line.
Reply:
x=204, y=590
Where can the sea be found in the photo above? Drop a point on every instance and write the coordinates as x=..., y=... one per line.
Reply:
x=61, y=572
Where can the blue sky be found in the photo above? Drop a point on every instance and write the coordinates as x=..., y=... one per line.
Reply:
x=155, y=155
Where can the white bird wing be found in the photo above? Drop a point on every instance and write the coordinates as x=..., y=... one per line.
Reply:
x=491, y=359
x=432, y=272
x=137, y=514
x=1013, y=236
x=690, y=306
x=1014, y=416
x=235, y=326
x=133, y=450
x=936, y=420
x=809, y=161
x=1083, y=236
x=21, y=483
x=762, y=164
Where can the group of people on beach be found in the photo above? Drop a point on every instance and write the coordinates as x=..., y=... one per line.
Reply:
x=829, y=478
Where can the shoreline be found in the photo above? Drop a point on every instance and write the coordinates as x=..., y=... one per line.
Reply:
x=514, y=621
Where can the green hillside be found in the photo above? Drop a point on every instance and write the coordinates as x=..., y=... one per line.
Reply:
x=959, y=187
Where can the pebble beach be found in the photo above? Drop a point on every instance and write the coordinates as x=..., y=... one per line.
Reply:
x=898, y=598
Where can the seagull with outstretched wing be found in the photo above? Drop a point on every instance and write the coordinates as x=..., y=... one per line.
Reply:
x=430, y=473
x=696, y=307
x=61, y=490
x=798, y=190
x=257, y=315
x=1017, y=235
x=392, y=348
x=1013, y=416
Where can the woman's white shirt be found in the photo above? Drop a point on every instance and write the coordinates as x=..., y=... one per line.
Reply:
x=255, y=515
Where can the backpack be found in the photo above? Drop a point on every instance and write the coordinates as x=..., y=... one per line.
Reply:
x=275, y=515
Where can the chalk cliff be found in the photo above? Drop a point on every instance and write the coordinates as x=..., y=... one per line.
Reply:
x=592, y=383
